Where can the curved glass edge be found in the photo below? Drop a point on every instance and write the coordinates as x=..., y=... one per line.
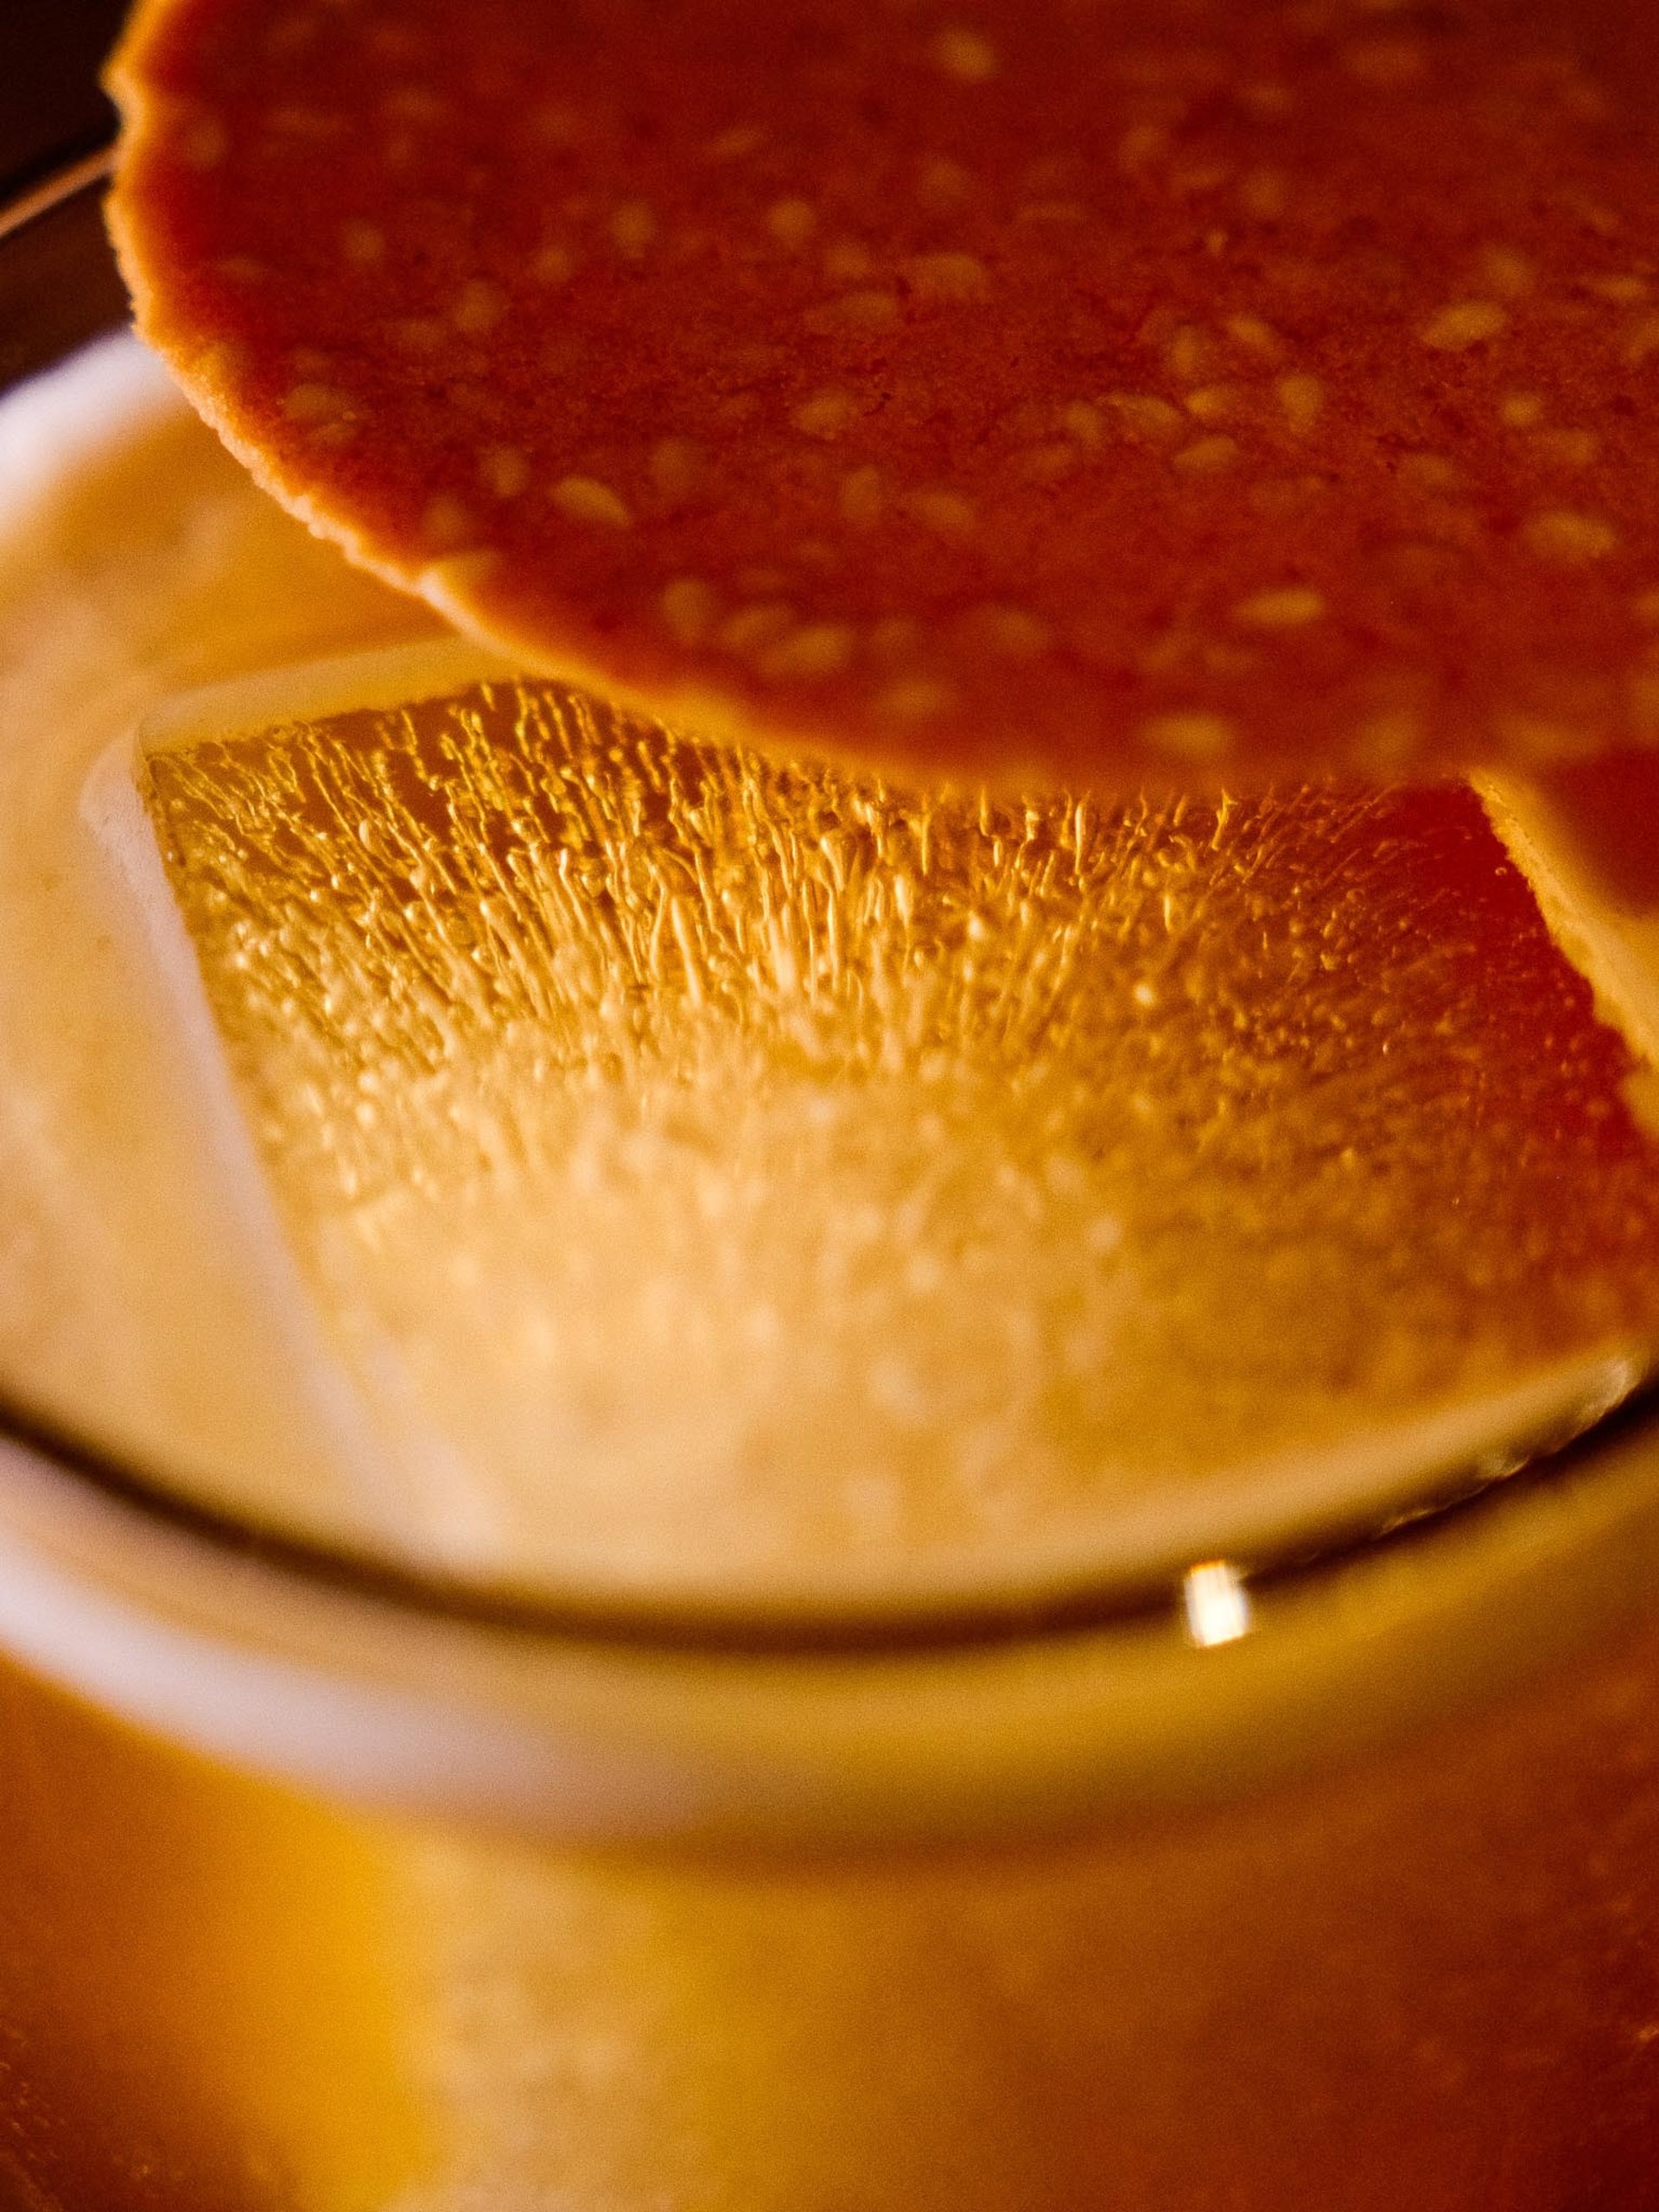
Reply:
x=374, y=1695
x=738, y=1630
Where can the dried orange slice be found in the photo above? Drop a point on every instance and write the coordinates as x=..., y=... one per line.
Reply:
x=1220, y=389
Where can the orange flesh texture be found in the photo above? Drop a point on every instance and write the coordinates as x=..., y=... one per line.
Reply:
x=847, y=1183
x=1105, y=395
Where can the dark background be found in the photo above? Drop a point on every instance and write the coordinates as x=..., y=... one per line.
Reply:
x=58, y=283
x=50, y=106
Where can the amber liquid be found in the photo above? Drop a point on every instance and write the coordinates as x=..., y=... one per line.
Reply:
x=1430, y=1981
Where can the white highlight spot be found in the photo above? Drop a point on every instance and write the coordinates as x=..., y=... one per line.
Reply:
x=1216, y=1603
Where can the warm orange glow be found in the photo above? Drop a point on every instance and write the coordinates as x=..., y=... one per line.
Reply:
x=703, y=1159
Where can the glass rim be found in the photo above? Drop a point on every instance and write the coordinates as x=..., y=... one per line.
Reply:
x=387, y=1691
x=697, y=1626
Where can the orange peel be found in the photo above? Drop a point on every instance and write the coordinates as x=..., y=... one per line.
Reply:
x=1031, y=391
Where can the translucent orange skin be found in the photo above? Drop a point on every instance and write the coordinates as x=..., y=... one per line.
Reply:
x=1100, y=397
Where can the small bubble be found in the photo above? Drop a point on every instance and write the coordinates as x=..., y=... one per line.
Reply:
x=1290, y=606
x=948, y=276
x=504, y=471
x=855, y=311
x=826, y=415
x=947, y=513
x=1207, y=457
x=446, y=522
x=478, y=308
x=792, y=223
x=586, y=499
x=202, y=141
x=689, y=608
x=1193, y=736
x=862, y=497
x=1520, y=410
x=678, y=468
x=362, y=243
x=633, y=229
x=966, y=54
x=914, y=699
x=1455, y=329
x=1301, y=402
x=553, y=264
x=1574, y=540
x=814, y=652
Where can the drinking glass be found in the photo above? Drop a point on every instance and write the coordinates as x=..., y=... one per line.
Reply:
x=328, y=1882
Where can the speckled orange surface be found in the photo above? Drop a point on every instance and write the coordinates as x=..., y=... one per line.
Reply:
x=1041, y=389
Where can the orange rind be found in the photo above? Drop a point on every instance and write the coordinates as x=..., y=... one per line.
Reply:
x=1031, y=392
